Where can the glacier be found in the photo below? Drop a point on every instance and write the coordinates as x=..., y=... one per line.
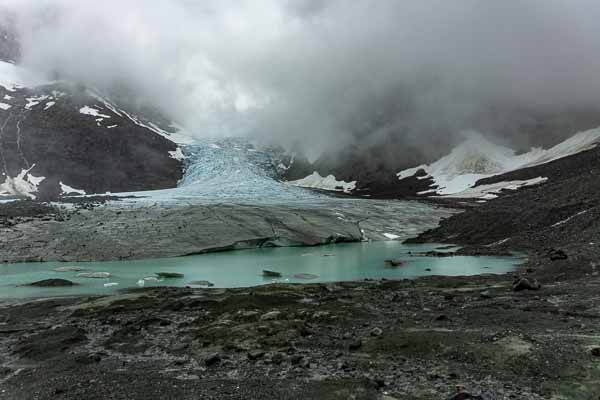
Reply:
x=229, y=170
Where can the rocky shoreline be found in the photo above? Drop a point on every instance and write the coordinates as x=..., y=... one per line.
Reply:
x=432, y=338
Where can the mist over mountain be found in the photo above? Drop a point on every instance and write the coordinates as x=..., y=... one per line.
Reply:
x=396, y=81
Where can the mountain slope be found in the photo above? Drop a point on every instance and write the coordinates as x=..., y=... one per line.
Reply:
x=469, y=169
x=57, y=138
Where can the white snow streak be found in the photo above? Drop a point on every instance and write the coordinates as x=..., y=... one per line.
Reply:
x=66, y=189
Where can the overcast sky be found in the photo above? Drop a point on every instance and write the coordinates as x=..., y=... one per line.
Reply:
x=320, y=72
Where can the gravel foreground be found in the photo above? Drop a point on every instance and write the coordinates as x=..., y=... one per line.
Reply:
x=433, y=338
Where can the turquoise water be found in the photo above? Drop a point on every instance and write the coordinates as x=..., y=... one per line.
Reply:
x=340, y=262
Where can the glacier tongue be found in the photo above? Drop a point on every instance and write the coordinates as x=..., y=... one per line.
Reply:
x=230, y=170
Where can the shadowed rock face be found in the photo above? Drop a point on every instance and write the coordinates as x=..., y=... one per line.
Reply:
x=102, y=149
x=98, y=150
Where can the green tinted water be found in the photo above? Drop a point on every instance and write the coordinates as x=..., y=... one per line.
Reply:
x=341, y=262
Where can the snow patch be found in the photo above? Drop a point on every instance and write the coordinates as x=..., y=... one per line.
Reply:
x=316, y=181
x=391, y=236
x=24, y=184
x=66, y=189
x=5, y=106
x=92, y=111
x=49, y=104
x=177, y=154
x=7, y=97
x=34, y=101
x=491, y=191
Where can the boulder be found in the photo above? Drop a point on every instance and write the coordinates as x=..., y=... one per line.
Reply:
x=212, y=359
x=169, y=275
x=522, y=283
x=393, y=263
x=52, y=283
x=271, y=274
x=556, y=255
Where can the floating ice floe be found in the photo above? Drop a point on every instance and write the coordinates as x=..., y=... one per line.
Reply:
x=94, y=275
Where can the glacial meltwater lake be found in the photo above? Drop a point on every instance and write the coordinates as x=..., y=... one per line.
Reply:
x=242, y=268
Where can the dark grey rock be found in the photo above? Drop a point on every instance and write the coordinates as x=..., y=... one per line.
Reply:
x=52, y=283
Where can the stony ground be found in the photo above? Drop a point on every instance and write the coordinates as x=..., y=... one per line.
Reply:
x=433, y=338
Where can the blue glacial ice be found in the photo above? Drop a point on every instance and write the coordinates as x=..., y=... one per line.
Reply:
x=230, y=170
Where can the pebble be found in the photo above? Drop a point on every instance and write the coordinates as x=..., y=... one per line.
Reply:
x=376, y=332
x=270, y=316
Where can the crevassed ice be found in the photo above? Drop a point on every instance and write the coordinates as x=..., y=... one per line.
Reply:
x=230, y=170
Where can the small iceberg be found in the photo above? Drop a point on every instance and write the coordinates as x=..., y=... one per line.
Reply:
x=95, y=275
x=73, y=268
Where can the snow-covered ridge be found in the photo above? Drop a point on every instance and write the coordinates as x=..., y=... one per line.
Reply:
x=477, y=158
x=316, y=181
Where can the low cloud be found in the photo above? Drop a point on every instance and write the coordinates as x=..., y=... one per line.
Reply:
x=322, y=73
